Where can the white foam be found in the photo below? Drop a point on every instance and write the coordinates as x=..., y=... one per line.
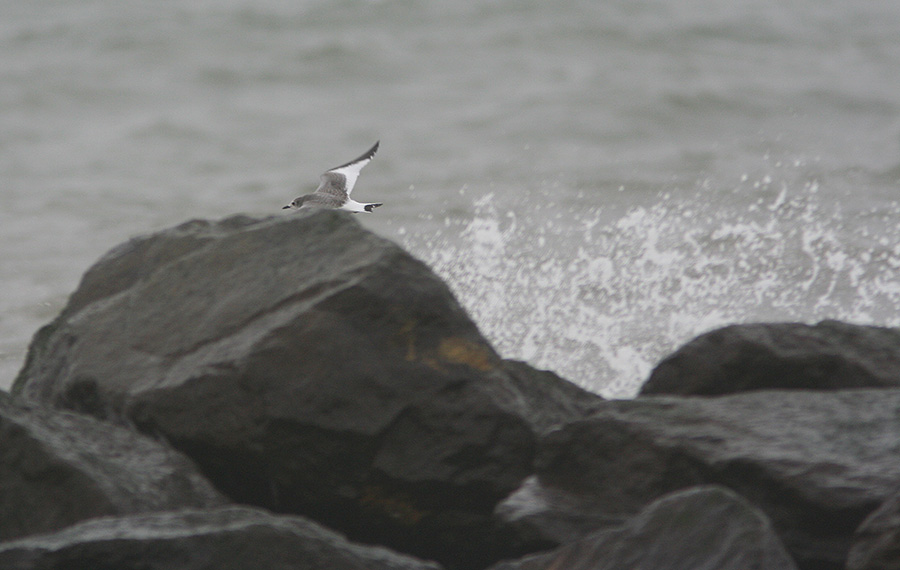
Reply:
x=601, y=303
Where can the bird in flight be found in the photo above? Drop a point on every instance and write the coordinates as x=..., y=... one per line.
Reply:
x=335, y=188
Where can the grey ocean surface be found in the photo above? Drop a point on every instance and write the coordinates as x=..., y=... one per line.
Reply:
x=598, y=181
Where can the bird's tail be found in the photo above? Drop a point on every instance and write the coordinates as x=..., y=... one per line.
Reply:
x=370, y=207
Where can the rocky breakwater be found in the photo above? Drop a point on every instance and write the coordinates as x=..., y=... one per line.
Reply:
x=820, y=464
x=297, y=392
x=309, y=367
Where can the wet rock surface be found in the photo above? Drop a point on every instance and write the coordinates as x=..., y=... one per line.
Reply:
x=828, y=356
x=307, y=367
x=815, y=462
x=703, y=528
x=230, y=538
x=876, y=545
x=548, y=513
x=60, y=468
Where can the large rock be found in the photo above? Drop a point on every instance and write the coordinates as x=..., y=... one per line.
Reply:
x=816, y=463
x=550, y=514
x=703, y=528
x=310, y=367
x=828, y=356
x=57, y=468
x=877, y=541
x=233, y=538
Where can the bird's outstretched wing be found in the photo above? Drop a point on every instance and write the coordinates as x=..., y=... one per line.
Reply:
x=339, y=181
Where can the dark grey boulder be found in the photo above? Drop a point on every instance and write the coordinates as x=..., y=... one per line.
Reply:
x=702, y=528
x=58, y=468
x=877, y=541
x=549, y=399
x=817, y=463
x=311, y=367
x=547, y=513
x=828, y=356
x=231, y=538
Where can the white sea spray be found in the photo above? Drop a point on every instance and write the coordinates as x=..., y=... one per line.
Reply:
x=604, y=312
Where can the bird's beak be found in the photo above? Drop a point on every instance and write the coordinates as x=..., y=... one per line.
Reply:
x=286, y=207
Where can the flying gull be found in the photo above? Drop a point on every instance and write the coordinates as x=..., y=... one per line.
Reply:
x=335, y=188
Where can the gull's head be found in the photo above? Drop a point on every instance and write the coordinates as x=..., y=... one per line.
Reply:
x=294, y=205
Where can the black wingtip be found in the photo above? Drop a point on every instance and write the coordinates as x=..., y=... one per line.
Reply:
x=364, y=156
x=370, y=207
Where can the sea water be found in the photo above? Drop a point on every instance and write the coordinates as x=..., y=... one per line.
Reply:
x=598, y=182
